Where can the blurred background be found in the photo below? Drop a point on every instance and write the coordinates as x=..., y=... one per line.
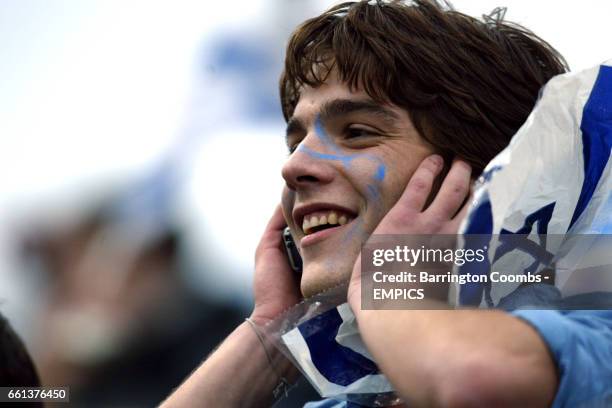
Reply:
x=140, y=151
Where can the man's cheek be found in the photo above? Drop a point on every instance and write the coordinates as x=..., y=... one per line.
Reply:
x=395, y=185
x=287, y=203
x=370, y=172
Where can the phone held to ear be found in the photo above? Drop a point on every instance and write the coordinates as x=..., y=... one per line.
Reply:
x=295, y=260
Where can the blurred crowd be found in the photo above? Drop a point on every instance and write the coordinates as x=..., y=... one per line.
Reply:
x=120, y=286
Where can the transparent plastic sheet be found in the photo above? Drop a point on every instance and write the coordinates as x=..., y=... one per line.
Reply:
x=320, y=337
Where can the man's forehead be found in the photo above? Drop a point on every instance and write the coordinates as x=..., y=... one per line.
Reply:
x=315, y=97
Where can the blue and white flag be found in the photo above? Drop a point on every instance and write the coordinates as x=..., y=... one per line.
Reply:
x=329, y=351
x=553, y=178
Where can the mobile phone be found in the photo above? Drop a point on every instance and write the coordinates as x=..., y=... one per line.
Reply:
x=295, y=260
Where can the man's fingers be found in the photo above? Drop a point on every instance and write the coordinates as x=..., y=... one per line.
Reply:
x=420, y=184
x=272, y=235
x=456, y=222
x=464, y=210
x=453, y=192
x=277, y=222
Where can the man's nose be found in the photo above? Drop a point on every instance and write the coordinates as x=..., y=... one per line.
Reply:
x=309, y=165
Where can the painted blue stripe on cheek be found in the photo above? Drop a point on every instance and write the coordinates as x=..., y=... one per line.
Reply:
x=345, y=159
x=373, y=192
x=380, y=173
x=323, y=136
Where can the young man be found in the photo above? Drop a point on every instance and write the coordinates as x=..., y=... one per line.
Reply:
x=392, y=109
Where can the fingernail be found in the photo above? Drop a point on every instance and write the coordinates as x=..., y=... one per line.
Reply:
x=463, y=163
x=437, y=160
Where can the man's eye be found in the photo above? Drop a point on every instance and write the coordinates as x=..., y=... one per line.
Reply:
x=358, y=132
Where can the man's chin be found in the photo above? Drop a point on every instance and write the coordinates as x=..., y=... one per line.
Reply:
x=317, y=278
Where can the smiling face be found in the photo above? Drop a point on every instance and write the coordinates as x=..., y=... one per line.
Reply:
x=351, y=160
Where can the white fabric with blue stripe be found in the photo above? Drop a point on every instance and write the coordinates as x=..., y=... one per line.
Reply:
x=330, y=353
x=553, y=178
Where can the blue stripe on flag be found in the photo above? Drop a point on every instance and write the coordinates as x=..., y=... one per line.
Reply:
x=480, y=223
x=338, y=364
x=596, y=130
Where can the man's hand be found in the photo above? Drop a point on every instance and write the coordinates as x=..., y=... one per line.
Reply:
x=442, y=216
x=276, y=287
x=239, y=373
x=409, y=215
x=451, y=357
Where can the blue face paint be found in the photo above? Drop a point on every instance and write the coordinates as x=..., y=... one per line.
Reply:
x=373, y=189
x=380, y=173
x=324, y=137
x=338, y=155
x=345, y=159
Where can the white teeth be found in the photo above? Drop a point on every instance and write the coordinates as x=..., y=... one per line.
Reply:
x=305, y=225
x=314, y=221
x=333, y=218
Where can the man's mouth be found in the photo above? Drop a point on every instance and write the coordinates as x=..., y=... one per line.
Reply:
x=321, y=220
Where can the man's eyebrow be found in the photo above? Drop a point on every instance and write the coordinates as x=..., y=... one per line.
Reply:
x=340, y=107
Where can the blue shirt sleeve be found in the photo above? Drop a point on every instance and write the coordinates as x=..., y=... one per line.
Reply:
x=580, y=342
